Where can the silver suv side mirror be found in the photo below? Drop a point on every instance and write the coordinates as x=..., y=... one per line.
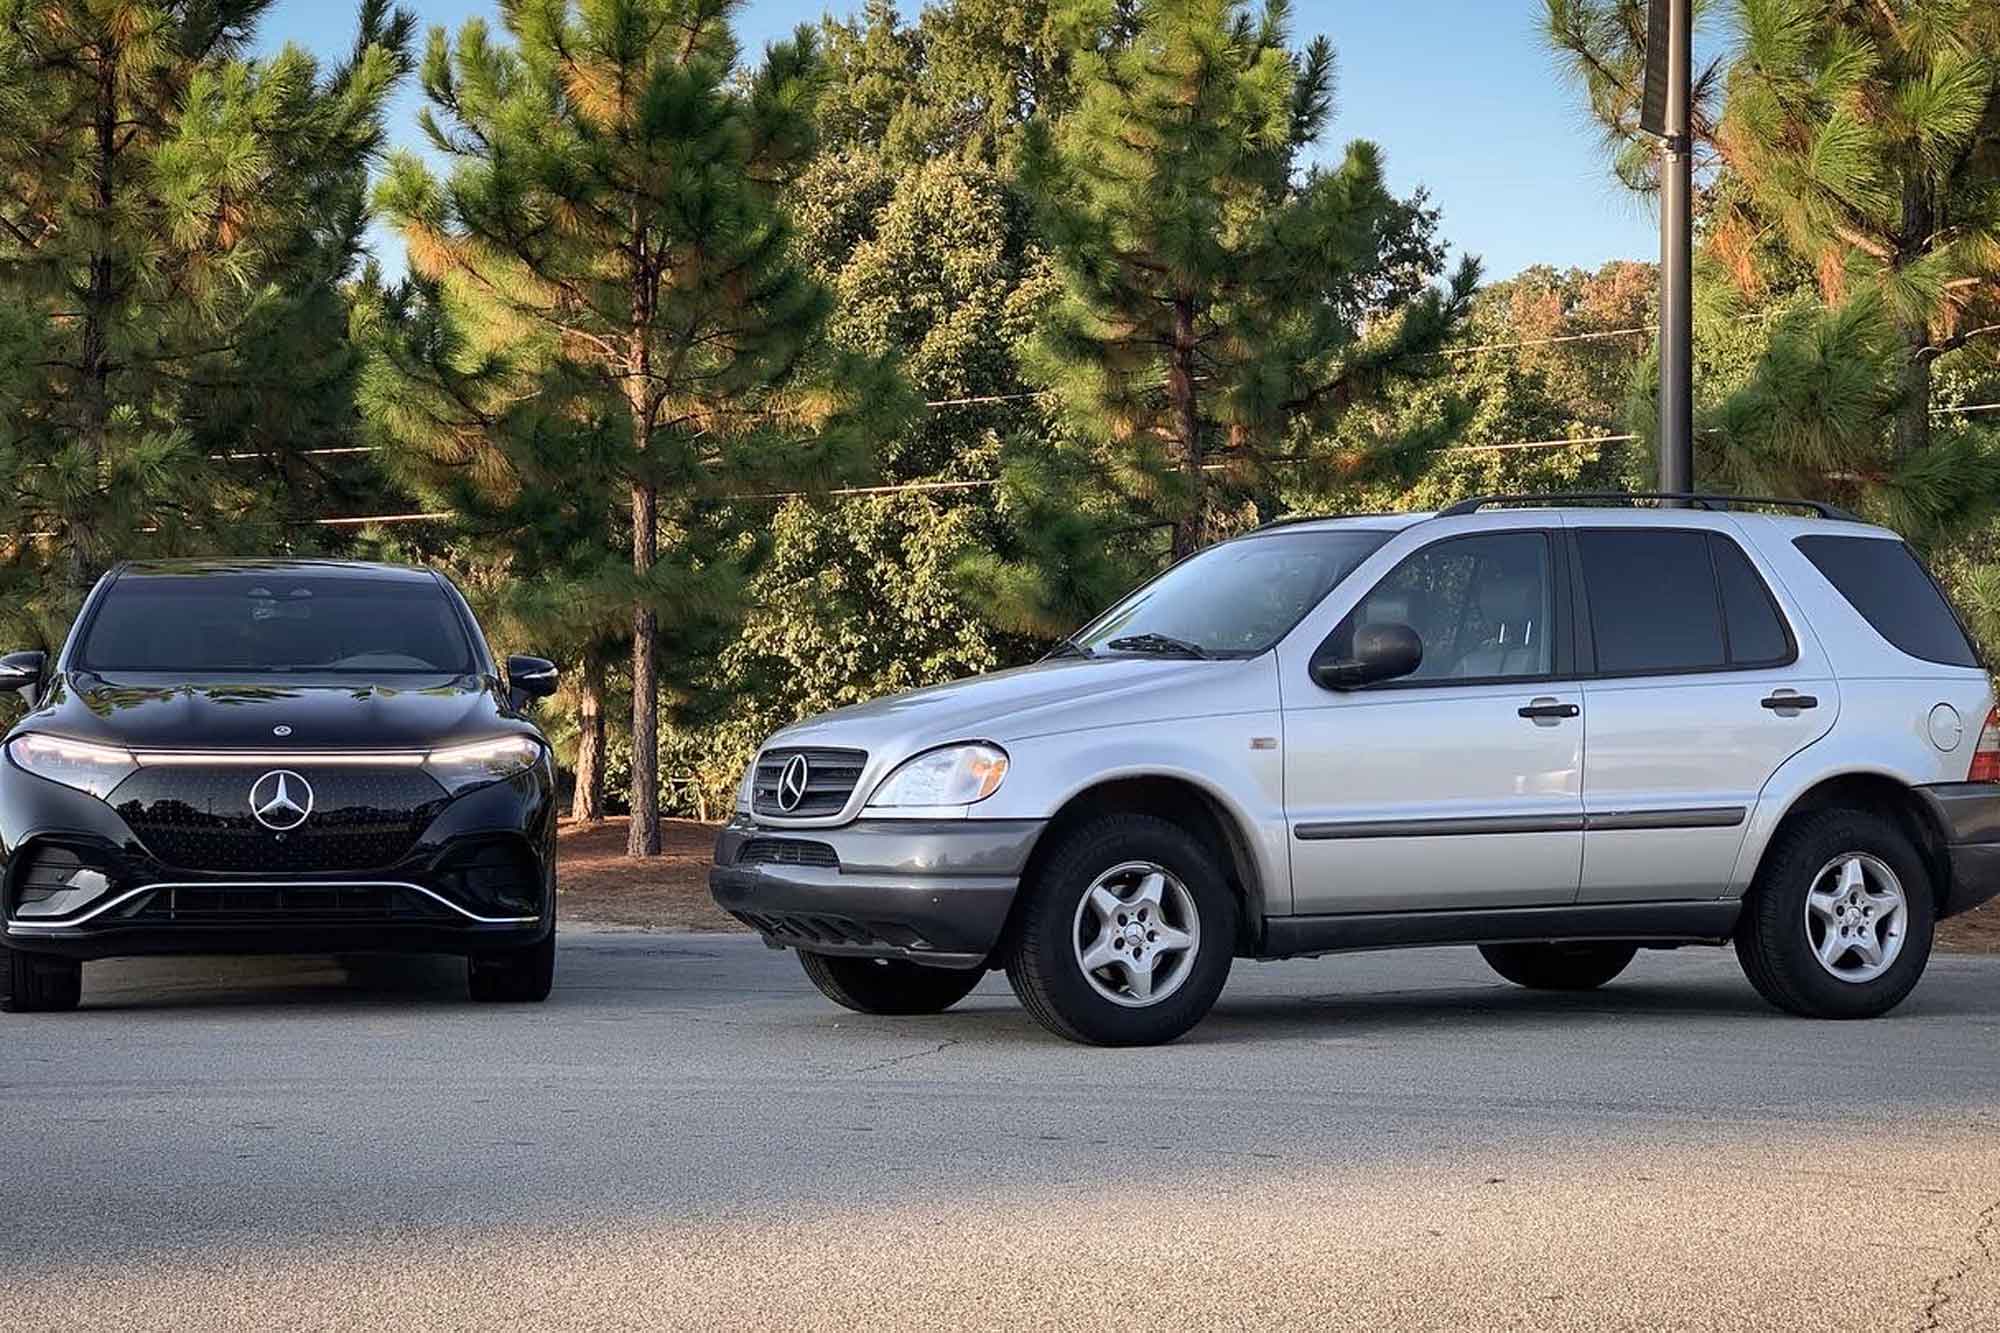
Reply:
x=1381, y=652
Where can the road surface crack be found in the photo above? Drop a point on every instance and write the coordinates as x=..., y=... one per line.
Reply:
x=895, y=1060
x=1983, y=1252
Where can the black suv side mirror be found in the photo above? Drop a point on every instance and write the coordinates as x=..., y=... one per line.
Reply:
x=529, y=678
x=22, y=673
x=1381, y=652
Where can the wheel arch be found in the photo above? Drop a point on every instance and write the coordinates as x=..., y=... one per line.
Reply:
x=1877, y=792
x=1172, y=797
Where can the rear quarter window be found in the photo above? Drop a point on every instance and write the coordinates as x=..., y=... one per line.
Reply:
x=1889, y=586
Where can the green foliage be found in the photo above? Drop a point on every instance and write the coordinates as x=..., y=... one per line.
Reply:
x=178, y=224
x=614, y=206
x=1224, y=310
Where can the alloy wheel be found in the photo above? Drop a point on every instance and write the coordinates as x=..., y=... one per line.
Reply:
x=1136, y=934
x=1856, y=917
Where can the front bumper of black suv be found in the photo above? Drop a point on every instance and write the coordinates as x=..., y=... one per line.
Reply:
x=930, y=891
x=477, y=876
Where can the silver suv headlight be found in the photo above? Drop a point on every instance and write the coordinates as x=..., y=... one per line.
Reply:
x=459, y=767
x=84, y=766
x=953, y=775
x=747, y=788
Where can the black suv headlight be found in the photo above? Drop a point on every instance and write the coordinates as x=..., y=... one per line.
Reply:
x=82, y=765
x=461, y=767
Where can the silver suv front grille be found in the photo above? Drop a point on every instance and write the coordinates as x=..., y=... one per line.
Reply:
x=830, y=776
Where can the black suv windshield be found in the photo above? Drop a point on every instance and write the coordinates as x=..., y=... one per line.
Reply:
x=1232, y=600
x=275, y=620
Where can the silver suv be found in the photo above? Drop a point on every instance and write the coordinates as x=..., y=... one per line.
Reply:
x=1561, y=733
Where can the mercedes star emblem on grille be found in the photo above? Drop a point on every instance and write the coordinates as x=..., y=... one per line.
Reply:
x=792, y=782
x=281, y=800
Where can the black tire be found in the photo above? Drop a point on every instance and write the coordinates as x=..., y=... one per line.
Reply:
x=889, y=986
x=38, y=984
x=518, y=976
x=1772, y=939
x=1580, y=966
x=1043, y=965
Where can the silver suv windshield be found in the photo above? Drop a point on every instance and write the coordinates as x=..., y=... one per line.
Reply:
x=1232, y=600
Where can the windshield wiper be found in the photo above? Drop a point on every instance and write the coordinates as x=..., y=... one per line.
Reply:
x=1158, y=643
x=1070, y=648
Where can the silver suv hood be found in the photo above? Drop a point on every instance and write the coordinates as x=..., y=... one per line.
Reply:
x=1062, y=694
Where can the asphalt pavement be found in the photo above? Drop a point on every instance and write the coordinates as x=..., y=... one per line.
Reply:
x=688, y=1136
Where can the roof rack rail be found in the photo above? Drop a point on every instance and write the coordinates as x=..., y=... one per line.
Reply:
x=1288, y=519
x=1694, y=499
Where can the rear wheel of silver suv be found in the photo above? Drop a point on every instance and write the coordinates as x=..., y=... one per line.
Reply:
x=1126, y=935
x=1839, y=922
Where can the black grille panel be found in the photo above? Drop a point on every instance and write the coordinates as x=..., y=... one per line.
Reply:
x=243, y=903
x=810, y=928
x=496, y=878
x=199, y=818
x=50, y=870
x=831, y=775
x=787, y=852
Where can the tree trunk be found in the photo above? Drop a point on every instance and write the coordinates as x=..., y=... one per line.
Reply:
x=86, y=544
x=587, y=805
x=644, y=838
x=1191, y=526
x=1913, y=412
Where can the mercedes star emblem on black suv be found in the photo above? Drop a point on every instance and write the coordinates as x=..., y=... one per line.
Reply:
x=792, y=783
x=281, y=800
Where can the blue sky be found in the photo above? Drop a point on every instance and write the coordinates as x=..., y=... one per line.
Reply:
x=1459, y=93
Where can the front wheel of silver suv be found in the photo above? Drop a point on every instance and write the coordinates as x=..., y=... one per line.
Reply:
x=1126, y=934
x=1839, y=922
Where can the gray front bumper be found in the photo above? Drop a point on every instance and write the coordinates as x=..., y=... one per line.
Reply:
x=935, y=892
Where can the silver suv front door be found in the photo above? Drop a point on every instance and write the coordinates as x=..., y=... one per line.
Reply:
x=1459, y=786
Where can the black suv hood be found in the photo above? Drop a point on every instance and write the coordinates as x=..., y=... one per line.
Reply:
x=151, y=712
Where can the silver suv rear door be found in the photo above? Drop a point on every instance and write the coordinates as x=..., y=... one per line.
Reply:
x=1699, y=681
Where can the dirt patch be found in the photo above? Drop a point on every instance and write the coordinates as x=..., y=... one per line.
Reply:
x=1978, y=931
x=670, y=892
x=667, y=892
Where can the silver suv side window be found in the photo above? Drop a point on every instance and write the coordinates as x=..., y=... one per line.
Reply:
x=1482, y=604
x=1669, y=601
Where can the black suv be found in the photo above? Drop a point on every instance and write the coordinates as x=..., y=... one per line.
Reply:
x=275, y=756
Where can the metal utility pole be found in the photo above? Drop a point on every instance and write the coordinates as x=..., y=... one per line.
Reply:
x=1666, y=114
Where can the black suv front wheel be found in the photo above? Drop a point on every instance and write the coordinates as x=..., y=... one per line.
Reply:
x=1126, y=935
x=38, y=984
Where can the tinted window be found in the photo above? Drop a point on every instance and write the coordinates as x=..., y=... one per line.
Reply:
x=1653, y=604
x=1483, y=607
x=1757, y=635
x=1238, y=598
x=1884, y=581
x=275, y=620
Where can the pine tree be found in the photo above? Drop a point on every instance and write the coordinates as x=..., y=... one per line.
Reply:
x=1224, y=308
x=477, y=416
x=615, y=180
x=1860, y=141
x=178, y=224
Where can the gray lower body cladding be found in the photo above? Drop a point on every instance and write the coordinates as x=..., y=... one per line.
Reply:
x=934, y=892
x=1969, y=815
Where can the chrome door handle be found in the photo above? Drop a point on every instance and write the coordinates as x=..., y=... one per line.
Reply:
x=1550, y=709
